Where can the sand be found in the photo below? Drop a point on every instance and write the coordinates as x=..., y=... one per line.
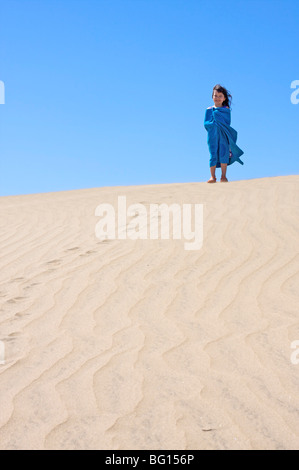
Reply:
x=142, y=344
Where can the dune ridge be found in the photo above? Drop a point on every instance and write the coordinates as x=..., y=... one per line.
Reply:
x=141, y=344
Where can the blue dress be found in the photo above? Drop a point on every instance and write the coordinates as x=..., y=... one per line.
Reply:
x=222, y=137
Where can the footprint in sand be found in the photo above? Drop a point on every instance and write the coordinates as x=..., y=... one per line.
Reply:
x=32, y=285
x=21, y=314
x=12, y=336
x=89, y=252
x=54, y=261
x=15, y=300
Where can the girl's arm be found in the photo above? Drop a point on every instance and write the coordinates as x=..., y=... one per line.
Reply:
x=208, y=115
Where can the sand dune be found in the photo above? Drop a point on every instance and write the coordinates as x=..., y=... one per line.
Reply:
x=141, y=344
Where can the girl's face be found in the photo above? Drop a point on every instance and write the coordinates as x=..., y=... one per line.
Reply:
x=218, y=98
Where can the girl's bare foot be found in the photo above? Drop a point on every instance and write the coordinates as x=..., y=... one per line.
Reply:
x=223, y=179
x=212, y=180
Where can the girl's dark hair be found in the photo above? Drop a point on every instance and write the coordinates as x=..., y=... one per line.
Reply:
x=227, y=95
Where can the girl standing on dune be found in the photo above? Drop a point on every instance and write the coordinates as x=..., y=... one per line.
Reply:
x=222, y=137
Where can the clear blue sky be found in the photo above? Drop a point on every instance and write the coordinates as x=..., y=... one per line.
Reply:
x=113, y=92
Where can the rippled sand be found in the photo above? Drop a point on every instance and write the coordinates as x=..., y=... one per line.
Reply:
x=141, y=344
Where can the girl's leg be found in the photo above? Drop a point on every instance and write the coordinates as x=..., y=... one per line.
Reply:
x=213, y=142
x=223, y=172
x=213, y=176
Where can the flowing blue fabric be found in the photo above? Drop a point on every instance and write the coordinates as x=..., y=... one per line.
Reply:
x=222, y=137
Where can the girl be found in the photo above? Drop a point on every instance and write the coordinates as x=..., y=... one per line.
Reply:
x=222, y=137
